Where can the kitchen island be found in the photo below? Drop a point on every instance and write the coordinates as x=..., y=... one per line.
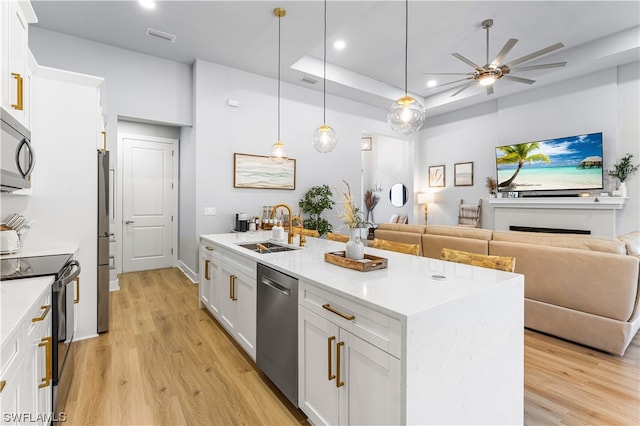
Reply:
x=449, y=337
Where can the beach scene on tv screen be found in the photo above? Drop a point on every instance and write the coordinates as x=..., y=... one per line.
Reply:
x=573, y=162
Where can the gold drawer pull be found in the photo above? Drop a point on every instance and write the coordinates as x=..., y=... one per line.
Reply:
x=328, y=307
x=46, y=308
x=330, y=375
x=18, y=105
x=206, y=270
x=339, y=382
x=47, y=343
x=233, y=288
x=104, y=140
x=3, y=383
x=77, y=299
x=208, y=248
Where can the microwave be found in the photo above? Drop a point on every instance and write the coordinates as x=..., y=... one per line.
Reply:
x=16, y=154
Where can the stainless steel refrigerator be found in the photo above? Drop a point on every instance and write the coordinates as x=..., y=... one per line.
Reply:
x=103, y=241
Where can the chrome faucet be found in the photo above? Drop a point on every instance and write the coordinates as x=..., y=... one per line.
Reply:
x=273, y=213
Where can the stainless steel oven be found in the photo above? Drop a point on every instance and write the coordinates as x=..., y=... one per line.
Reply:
x=64, y=296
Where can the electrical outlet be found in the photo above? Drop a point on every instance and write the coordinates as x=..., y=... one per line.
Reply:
x=209, y=211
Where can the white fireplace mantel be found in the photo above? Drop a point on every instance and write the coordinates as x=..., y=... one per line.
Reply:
x=577, y=213
x=594, y=203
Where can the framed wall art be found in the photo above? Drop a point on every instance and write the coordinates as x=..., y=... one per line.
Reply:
x=463, y=174
x=258, y=171
x=436, y=176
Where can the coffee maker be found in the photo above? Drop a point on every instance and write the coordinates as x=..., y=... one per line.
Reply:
x=242, y=223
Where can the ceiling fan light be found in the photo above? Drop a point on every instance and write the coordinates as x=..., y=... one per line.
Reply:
x=325, y=139
x=406, y=115
x=487, y=80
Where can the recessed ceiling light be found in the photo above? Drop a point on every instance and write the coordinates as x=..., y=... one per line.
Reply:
x=339, y=45
x=432, y=83
x=148, y=4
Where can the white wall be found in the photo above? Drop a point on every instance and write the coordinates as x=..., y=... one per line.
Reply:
x=390, y=161
x=221, y=130
x=137, y=86
x=604, y=101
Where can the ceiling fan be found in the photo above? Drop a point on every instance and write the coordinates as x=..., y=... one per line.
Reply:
x=492, y=71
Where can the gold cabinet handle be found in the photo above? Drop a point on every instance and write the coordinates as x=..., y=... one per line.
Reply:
x=104, y=140
x=232, y=287
x=339, y=346
x=18, y=105
x=206, y=269
x=330, y=375
x=47, y=343
x=208, y=248
x=3, y=383
x=43, y=315
x=77, y=298
x=348, y=317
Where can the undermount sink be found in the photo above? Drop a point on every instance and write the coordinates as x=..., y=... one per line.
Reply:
x=266, y=247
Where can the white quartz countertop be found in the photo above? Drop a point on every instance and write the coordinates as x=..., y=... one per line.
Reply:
x=409, y=285
x=16, y=297
x=42, y=251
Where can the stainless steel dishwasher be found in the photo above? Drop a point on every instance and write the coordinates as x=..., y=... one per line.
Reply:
x=277, y=330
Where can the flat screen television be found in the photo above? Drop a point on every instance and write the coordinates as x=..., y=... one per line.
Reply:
x=560, y=164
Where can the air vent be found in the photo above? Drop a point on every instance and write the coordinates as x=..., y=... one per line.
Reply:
x=152, y=32
x=308, y=80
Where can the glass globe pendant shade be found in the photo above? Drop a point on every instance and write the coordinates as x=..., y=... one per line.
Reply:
x=277, y=151
x=406, y=115
x=325, y=139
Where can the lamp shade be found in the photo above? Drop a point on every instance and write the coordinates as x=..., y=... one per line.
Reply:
x=425, y=197
x=325, y=139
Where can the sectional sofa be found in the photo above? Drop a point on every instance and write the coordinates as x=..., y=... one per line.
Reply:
x=578, y=288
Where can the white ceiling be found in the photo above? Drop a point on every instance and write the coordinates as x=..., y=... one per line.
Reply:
x=243, y=35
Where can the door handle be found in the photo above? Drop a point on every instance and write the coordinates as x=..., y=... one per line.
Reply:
x=77, y=298
x=19, y=87
x=330, y=375
x=47, y=343
x=232, y=288
x=128, y=222
x=339, y=382
x=206, y=269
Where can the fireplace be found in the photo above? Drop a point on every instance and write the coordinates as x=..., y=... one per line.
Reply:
x=595, y=215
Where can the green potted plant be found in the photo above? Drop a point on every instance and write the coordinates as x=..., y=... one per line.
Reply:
x=315, y=201
x=622, y=171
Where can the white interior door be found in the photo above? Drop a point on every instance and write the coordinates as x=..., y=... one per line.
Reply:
x=149, y=202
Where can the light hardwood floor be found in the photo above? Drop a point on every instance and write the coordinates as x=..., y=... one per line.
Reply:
x=165, y=361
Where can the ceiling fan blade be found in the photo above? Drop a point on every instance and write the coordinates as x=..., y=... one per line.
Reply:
x=540, y=67
x=518, y=79
x=490, y=89
x=505, y=49
x=535, y=55
x=462, y=88
x=453, y=82
x=447, y=73
x=466, y=61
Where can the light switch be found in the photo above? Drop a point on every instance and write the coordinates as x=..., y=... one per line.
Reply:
x=209, y=211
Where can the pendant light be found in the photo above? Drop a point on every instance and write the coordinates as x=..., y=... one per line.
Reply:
x=406, y=114
x=325, y=138
x=277, y=149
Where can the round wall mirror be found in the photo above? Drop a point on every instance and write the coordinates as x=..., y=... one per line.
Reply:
x=398, y=195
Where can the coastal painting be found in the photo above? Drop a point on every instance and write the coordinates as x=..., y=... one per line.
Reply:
x=257, y=171
x=568, y=163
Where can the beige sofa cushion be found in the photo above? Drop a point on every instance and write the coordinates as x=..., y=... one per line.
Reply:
x=432, y=245
x=418, y=229
x=574, y=241
x=604, y=284
x=460, y=232
x=632, y=242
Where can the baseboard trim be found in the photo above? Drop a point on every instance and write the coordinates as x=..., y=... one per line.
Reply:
x=188, y=272
x=114, y=285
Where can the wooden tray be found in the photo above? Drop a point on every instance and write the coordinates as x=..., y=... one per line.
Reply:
x=369, y=263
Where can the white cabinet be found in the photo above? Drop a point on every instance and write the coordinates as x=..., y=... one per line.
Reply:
x=25, y=373
x=344, y=379
x=228, y=291
x=15, y=17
